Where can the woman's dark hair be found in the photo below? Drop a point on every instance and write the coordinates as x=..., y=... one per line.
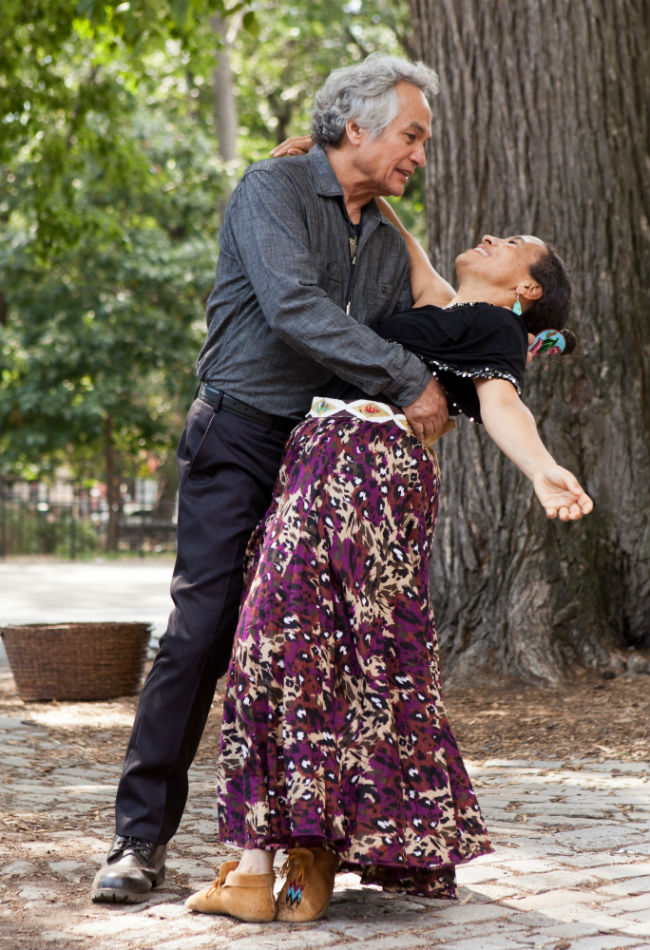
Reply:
x=552, y=309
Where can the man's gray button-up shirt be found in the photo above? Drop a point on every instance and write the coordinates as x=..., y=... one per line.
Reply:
x=278, y=331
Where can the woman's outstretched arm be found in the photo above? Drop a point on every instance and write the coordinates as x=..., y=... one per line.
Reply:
x=511, y=425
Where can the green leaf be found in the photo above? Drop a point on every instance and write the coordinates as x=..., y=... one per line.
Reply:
x=180, y=12
x=85, y=8
x=251, y=23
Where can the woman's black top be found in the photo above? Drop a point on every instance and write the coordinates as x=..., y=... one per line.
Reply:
x=459, y=344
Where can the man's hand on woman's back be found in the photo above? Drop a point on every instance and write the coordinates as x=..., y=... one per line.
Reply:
x=429, y=412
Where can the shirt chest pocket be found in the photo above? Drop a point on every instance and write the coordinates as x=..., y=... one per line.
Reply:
x=381, y=299
x=333, y=280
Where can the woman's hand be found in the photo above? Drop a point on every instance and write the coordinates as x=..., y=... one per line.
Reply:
x=561, y=494
x=296, y=145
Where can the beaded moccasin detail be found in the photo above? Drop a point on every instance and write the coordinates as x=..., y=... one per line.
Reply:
x=307, y=891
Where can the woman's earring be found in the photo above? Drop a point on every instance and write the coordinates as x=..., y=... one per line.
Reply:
x=517, y=307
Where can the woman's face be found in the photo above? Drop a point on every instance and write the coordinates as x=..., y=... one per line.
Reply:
x=501, y=262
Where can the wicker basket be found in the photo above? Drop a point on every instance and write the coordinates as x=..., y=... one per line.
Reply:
x=76, y=661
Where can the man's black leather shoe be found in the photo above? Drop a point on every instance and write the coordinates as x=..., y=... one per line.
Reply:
x=133, y=867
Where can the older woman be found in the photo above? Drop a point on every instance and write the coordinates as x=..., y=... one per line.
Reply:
x=335, y=743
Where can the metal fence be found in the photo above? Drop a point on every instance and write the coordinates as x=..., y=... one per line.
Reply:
x=71, y=521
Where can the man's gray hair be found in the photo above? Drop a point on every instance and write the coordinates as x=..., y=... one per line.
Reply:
x=366, y=93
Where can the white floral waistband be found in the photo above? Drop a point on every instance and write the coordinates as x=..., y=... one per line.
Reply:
x=322, y=407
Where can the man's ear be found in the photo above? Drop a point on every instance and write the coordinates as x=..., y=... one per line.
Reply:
x=529, y=290
x=353, y=131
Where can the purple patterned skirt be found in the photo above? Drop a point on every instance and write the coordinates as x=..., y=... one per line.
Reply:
x=334, y=732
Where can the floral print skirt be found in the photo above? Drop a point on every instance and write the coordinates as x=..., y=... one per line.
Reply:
x=334, y=733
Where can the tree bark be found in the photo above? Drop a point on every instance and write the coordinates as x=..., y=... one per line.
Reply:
x=225, y=102
x=541, y=126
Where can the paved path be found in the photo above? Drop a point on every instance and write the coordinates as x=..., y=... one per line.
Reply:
x=571, y=867
x=33, y=590
x=36, y=590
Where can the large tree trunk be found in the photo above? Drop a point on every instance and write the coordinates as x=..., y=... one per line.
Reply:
x=541, y=126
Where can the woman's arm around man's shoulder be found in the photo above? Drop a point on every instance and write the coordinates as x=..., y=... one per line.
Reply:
x=427, y=286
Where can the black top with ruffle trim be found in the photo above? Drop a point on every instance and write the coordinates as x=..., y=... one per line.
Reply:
x=463, y=343
x=459, y=344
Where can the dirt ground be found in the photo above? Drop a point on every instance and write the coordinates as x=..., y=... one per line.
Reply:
x=596, y=719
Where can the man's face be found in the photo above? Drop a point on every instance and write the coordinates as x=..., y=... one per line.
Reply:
x=388, y=162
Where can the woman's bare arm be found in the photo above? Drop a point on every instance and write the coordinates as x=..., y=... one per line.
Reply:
x=511, y=425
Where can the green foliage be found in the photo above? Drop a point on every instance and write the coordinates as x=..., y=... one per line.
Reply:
x=297, y=45
x=111, y=196
x=109, y=213
x=28, y=530
x=143, y=23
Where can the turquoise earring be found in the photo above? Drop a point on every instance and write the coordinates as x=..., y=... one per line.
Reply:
x=517, y=307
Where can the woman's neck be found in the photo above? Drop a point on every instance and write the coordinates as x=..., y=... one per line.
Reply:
x=470, y=292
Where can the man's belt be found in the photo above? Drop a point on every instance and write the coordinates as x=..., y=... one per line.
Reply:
x=219, y=399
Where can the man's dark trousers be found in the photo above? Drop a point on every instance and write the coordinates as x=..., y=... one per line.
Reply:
x=227, y=467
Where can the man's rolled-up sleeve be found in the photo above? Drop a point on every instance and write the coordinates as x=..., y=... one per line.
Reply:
x=271, y=236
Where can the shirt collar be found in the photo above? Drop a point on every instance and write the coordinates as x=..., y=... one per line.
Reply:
x=327, y=184
x=325, y=181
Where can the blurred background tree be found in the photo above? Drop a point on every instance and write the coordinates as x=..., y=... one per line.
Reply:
x=111, y=181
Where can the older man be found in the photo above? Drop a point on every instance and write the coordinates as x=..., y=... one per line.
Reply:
x=307, y=266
